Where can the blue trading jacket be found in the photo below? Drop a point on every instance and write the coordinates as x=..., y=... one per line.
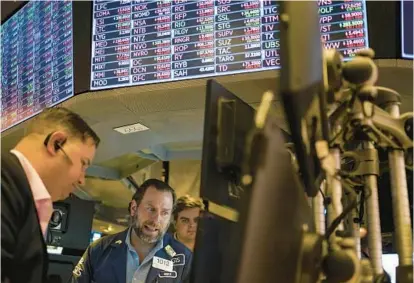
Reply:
x=105, y=261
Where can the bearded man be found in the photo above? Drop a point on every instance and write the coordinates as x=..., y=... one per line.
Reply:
x=144, y=252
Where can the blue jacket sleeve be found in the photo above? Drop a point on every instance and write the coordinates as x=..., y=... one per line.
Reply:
x=83, y=271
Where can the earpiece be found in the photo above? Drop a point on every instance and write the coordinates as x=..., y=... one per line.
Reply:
x=47, y=139
x=57, y=145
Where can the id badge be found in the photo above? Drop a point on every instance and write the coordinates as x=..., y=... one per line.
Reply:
x=162, y=263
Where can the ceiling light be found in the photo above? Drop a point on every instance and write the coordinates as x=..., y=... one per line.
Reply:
x=121, y=220
x=129, y=129
x=108, y=229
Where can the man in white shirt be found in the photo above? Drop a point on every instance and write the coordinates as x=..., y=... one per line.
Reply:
x=46, y=165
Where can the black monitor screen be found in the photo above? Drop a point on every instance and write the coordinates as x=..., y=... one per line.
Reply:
x=407, y=29
x=36, y=60
x=139, y=42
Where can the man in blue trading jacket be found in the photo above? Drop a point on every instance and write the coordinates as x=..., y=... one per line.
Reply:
x=143, y=252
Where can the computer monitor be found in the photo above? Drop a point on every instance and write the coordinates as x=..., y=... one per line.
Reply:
x=95, y=236
x=407, y=29
x=276, y=242
x=220, y=240
x=70, y=225
x=274, y=214
x=61, y=267
x=228, y=125
x=228, y=121
x=390, y=263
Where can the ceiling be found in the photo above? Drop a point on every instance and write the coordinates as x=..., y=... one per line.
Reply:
x=174, y=114
x=8, y=8
x=172, y=111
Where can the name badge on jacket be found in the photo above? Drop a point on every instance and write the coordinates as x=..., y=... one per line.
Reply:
x=162, y=263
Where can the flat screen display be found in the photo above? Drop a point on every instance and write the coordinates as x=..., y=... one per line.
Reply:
x=140, y=42
x=390, y=263
x=36, y=60
x=407, y=29
x=95, y=236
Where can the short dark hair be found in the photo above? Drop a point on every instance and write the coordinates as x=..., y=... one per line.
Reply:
x=60, y=118
x=157, y=184
x=186, y=202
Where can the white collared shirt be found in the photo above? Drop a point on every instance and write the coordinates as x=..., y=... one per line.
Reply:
x=42, y=198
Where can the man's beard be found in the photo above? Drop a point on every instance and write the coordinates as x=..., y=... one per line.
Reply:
x=149, y=239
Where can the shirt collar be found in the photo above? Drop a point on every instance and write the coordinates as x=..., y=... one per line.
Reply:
x=37, y=186
x=157, y=247
x=128, y=240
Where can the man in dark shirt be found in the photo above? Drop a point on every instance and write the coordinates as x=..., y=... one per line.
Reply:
x=144, y=252
x=46, y=165
x=186, y=216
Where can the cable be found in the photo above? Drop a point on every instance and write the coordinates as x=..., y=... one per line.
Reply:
x=336, y=135
x=349, y=108
x=361, y=207
x=335, y=223
x=323, y=195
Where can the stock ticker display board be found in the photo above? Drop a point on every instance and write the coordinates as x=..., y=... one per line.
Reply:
x=407, y=29
x=36, y=60
x=139, y=42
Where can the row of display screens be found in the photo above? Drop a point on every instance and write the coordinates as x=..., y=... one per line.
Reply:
x=407, y=29
x=141, y=42
x=136, y=43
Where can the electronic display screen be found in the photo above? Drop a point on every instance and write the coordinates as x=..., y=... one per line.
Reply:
x=390, y=263
x=140, y=42
x=36, y=60
x=95, y=236
x=407, y=29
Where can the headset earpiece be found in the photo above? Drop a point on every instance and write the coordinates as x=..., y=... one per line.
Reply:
x=47, y=139
x=57, y=145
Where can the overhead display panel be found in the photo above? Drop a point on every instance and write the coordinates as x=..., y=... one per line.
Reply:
x=36, y=60
x=141, y=42
x=407, y=29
